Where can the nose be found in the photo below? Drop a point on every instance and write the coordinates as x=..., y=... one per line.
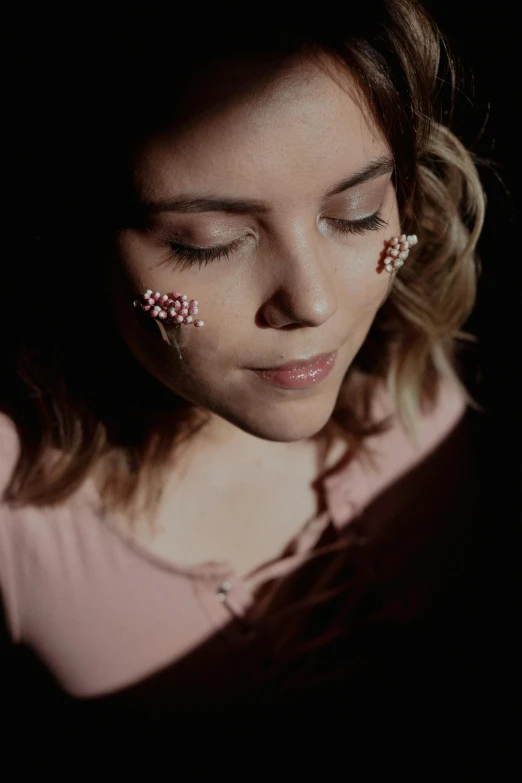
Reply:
x=304, y=287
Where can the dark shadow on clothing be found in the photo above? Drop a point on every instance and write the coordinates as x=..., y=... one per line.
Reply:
x=406, y=612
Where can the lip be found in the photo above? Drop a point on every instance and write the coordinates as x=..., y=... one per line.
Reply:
x=297, y=365
x=300, y=374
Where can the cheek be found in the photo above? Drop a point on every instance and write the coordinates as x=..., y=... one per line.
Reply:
x=362, y=282
x=365, y=282
x=201, y=348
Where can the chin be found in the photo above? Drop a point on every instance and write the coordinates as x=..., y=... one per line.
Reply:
x=292, y=434
x=285, y=424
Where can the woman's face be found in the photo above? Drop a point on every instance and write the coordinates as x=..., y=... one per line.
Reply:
x=309, y=202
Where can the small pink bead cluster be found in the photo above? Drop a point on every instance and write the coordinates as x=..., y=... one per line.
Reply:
x=173, y=308
x=398, y=251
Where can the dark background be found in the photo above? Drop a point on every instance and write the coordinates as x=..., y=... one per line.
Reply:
x=484, y=39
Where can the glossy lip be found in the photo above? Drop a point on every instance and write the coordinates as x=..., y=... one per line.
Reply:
x=297, y=365
x=300, y=377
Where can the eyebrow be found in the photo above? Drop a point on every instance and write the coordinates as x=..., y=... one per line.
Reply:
x=184, y=203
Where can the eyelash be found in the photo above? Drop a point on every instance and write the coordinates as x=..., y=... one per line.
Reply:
x=203, y=256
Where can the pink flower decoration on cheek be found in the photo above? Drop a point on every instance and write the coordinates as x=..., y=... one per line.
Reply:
x=398, y=250
x=174, y=309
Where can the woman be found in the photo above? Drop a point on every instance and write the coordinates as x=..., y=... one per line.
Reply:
x=235, y=453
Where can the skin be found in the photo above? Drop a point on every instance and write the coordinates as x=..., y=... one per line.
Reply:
x=295, y=286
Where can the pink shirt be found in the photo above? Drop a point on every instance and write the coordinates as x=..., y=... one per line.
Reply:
x=105, y=616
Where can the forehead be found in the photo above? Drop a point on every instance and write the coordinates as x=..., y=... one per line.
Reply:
x=247, y=122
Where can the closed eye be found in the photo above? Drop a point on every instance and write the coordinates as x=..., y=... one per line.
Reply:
x=371, y=223
x=203, y=255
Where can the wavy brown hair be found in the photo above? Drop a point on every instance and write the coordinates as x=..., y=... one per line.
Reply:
x=82, y=405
